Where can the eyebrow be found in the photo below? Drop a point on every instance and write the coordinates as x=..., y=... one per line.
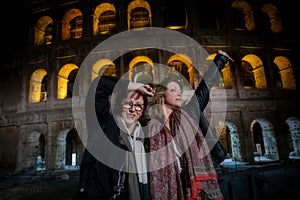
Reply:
x=174, y=87
x=134, y=102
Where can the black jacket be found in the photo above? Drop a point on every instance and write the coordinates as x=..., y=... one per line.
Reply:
x=99, y=180
x=198, y=103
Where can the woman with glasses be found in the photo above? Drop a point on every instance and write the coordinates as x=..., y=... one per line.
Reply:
x=121, y=112
x=181, y=167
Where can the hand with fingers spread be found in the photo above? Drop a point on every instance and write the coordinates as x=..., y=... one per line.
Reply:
x=144, y=89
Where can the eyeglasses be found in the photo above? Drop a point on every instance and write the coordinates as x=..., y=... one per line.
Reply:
x=128, y=104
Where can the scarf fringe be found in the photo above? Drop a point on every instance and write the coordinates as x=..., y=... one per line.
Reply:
x=196, y=186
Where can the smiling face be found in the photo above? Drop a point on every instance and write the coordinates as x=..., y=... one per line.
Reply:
x=173, y=94
x=132, y=108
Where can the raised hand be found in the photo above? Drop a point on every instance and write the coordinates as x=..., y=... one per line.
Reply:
x=225, y=54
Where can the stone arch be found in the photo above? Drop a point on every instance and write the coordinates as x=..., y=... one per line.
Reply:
x=285, y=71
x=257, y=69
x=100, y=66
x=43, y=31
x=36, y=84
x=35, y=151
x=73, y=149
x=274, y=17
x=104, y=18
x=139, y=8
x=226, y=75
x=68, y=145
x=135, y=67
x=180, y=63
x=60, y=160
x=229, y=138
x=63, y=79
x=294, y=128
x=264, y=140
x=66, y=28
x=235, y=140
x=247, y=11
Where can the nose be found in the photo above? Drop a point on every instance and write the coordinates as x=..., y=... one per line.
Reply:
x=132, y=108
x=178, y=93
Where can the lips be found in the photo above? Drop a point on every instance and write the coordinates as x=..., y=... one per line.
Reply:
x=130, y=115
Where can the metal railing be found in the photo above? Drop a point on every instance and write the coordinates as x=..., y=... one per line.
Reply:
x=263, y=182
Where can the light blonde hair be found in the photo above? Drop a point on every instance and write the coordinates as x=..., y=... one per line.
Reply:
x=159, y=97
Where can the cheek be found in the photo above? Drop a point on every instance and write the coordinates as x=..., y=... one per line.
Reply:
x=169, y=98
x=123, y=114
x=140, y=114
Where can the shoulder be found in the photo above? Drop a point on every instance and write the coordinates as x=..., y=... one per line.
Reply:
x=154, y=121
x=154, y=126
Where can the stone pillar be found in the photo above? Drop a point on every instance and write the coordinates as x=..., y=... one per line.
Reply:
x=20, y=148
x=270, y=145
x=49, y=149
x=295, y=135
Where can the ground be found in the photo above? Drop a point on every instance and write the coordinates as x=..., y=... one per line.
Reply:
x=272, y=181
x=60, y=185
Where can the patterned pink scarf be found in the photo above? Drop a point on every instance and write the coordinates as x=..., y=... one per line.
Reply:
x=200, y=179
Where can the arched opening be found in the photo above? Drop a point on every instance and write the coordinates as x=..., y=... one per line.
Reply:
x=35, y=152
x=69, y=149
x=141, y=67
x=38, y=86
x=273, y=17
x=284, y=74
x=264, y=141
x=181, y=66
x=139, y=14
x=247, y=75
x=103, y=67
x=139, y=17
x=43, y=31
x=41, y=153
x=252, y=72
x=76, y=27
x=72, y=149
x=225, y=76
x=66, y=78
x=143, y=73
x=237, y=20
x=228, y=141
x=258, y=139
x=71, y=25
x=71, y=78
x=104, y=19
x=248, y=21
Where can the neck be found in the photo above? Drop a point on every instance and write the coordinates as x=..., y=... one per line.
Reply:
x=167, y=109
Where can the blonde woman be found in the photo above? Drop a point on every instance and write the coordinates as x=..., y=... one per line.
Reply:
x=182, y=167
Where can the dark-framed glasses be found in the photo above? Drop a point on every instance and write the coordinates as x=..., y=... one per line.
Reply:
x=129, y=104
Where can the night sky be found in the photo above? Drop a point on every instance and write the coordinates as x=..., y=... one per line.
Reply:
x=15, y=26
x=15, y=20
